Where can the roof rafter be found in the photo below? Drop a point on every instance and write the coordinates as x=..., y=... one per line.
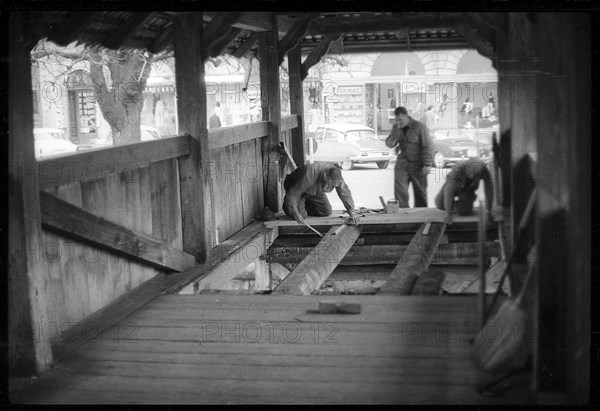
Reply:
x=214, y=30
x=246, y=45
x=377, y=23
x=68, y=31
x=128, y=29
x=221, y=45
x=293, y=36
x=165, y=38
x=315, y=55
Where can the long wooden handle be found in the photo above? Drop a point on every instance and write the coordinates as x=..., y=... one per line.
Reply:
x=531, y=260
x=318, y=233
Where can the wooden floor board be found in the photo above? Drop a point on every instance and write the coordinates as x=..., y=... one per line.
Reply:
x=207, y=349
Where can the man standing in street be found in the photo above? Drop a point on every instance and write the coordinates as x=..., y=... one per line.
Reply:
x=415, y=158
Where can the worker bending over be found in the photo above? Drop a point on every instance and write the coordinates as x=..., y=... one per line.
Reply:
x=462, y=182
x=305, y=190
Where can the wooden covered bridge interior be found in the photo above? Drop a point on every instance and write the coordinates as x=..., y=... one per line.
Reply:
x=109, y=324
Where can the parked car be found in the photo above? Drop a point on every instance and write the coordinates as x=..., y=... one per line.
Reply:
x=349, y=144
x=51, y=142
x=147, y=133
x=456, y=145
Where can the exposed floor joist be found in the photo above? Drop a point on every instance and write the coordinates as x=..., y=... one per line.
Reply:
x=310, y=274
x=414, y=261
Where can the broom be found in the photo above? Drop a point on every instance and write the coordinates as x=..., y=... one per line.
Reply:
x=501, y=345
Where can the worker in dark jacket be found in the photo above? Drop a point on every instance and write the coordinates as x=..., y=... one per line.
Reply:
x=415, y=158
x=305, y=190
x=462, y=182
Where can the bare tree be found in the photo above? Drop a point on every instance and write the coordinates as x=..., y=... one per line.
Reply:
x=119, y=93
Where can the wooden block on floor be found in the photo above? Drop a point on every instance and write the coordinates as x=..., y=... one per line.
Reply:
x=429, y=283
x=339, y=307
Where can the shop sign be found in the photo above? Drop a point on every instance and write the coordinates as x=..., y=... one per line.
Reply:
x=349, y=90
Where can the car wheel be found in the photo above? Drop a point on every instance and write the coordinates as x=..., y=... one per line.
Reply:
x=383, y=164
x=439, y=160
x=347, y=165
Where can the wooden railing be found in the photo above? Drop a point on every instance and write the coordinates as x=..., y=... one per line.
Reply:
x=112, y=216
x=236, y=172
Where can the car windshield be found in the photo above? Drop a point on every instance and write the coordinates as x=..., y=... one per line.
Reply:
x=357, y=135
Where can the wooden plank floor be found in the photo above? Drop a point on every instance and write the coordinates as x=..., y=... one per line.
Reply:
x=275, y=349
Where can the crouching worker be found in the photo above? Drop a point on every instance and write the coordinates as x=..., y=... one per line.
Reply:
x=305, y=190
x=463, y=182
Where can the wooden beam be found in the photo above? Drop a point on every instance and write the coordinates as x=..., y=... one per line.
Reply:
x=215, y=29
x=284, y=24
x=271, y=112
x=378, y=23
x=67, y=31
x=67, y=219
x=235, y=248
x=447, y=254
x=310, y=274
x=246, y=45
x=222, y=43
x=93, y=164
x=293, y=36
x=226, y=136
x=27, y=273
x=420, y=252
x=297, y=103
x=196, y=192
x=395, y=45
x=289, y=122
x=429, y=283
x=254, y=21
x=319, y=51
x=127, y=29
x=409, y=216
x=483, y=45
x=161, y=43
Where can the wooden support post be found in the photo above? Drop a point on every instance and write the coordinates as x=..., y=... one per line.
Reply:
x=271, y=112
x=310, y=274
x=414, y=261
x=194, y=170
x=29, y=350
x=297, y=103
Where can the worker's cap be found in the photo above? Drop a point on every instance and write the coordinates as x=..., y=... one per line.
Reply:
x=333, y=176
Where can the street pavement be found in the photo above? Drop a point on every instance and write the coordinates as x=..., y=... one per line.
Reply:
x=367, y=183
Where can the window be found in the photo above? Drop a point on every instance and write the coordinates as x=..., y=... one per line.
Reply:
x=333, y=135
x=319, y=134
x=356, y=135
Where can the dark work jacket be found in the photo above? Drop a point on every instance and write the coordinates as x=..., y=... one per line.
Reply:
x=307, y=181
x=465, y=178
x=415, y=146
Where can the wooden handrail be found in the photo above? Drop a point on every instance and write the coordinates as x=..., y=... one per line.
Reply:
x=226, y=136
x=289, y=122
x=95, y=163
